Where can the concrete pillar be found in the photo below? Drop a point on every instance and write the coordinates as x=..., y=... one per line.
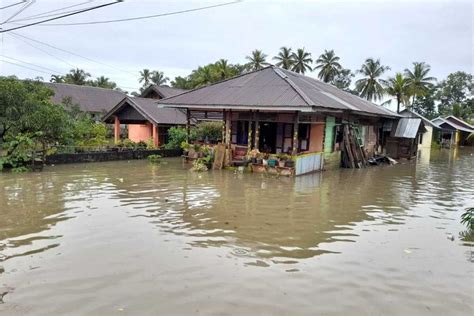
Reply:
x=117, y=130
x=228, y=135
x=188, y=125
x=257, y=131
x=156, y=136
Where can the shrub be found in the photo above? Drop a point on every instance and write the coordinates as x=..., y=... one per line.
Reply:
x=209, y=131
x=199, y=166
x=154, y=158
x=178, y=135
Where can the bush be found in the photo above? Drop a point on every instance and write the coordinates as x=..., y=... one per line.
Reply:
x=209, y=131
x=154, y=158
x=178, y=135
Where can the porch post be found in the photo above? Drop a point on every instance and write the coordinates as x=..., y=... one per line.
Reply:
x=224, y=117
x=228, y=129
x=257, y=130
x=249, y=137
x=188, y=124
x=156, y=136
x=295, y=135
x=117, y=130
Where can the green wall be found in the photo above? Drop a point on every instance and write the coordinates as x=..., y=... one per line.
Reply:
x=329, y=134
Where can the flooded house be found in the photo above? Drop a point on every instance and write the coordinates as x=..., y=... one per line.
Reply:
x=454, y=131
x=277, y=111
x=145, y=120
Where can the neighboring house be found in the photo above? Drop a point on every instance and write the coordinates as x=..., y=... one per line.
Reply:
x=424, y=134
x=152, y=120
x=279, y=111
x=93, y=100
x=454, y=131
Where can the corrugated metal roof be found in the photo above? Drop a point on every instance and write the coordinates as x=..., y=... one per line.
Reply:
x=163, y=91
x=89, y=99
x=408, y=127
x=453, y=124
x=273, y=87
x=151, y=111
x=410, y=113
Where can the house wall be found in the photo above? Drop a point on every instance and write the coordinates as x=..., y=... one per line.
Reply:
x=316, y=138
x=139, y=132
x=427, y=137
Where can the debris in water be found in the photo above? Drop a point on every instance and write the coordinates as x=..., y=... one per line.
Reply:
x=407, y=251
x=451, y=237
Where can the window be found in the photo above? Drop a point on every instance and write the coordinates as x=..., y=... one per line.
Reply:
x=303, y=136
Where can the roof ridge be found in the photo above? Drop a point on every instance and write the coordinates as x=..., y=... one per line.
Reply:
x=293, y=85
x=218, y=82
x=461, y=121
x=83, y=86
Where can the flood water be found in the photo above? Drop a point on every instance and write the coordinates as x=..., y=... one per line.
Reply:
x=131, y=238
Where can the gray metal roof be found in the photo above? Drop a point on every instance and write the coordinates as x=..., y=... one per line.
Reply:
x=453, y=124
x=275, y=88
x=410, y=113
x=150, y=110
x=89, y=99
x=408, y=127
x=163, y=91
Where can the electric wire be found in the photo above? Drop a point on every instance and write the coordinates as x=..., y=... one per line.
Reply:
x=47, y=13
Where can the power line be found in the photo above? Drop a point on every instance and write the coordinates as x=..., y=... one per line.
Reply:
x=12, y=5
x=61, y=17
x=27, y=4
x=42, y=50
x=46, y=14
x=144, y=17
x=6, y=61
x=31, y=64
x=74, y=54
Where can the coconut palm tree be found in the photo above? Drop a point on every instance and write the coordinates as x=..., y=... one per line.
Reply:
x=180, y=83
x=158, y=78
x=202, y=76
x=285, y=58
x=56, y=78
x=104, y=82
x=371, y=86
x=223, y=69
x=257, y=60
x=302, y=61
x=77, y=76
x=399, y=88
x=418, y=79
x=145, y=77
x=329, y=66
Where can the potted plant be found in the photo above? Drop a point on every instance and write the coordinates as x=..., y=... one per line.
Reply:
x=253, y=154
x=290, y=163
x=282, y=158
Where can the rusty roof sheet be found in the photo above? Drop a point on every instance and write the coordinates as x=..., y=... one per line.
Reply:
x=408, y=127
x=273, y=87
x=89, y=99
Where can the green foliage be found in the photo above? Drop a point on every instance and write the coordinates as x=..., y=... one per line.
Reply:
x=257, y=60
x=328, y=65
x=371, y=86
x=209, y=131
x=456, y=89
x=199, y=165
x=19, y=149
x=285, y=58
x=302, y=61
x=467, y=218
x=154, y=158
x=176, y=136
x=425, y=105
x=399, y=88
x=418, y=80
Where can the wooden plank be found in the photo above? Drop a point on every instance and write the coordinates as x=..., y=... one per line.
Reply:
x=219, y=153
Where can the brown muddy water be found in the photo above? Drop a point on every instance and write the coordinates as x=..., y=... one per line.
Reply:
x=130, y=238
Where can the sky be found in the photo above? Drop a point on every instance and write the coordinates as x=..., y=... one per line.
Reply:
x=399, y=32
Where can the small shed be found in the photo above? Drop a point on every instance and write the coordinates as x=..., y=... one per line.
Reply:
x=454, y=131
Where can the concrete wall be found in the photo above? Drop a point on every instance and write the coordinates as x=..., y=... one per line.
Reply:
x=109, y=156
x=332, y=160
x=427, y=138
x=139, y=132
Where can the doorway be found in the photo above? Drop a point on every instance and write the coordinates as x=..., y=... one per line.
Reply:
x=267, y=137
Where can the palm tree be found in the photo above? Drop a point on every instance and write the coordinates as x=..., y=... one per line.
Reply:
x=302, y=61
x=399, y=88
x=371, y=87
x=418, y=80
x=180, y=83
x=158, y=78
x=257, y=60
x=329, y=66
x=223, y=69
x=104, y=82
x=285, y=58
x=56, y=78
x=202, y=76
x=145, y=77
x=77, y=76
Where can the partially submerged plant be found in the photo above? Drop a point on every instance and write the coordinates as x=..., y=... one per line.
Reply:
x=154, y=158
x=467, y=218
x=199, y=165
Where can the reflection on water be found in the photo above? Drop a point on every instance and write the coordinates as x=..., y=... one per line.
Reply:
x=83, y=229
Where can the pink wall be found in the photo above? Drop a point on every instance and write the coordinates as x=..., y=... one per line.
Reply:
x=138, y=132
